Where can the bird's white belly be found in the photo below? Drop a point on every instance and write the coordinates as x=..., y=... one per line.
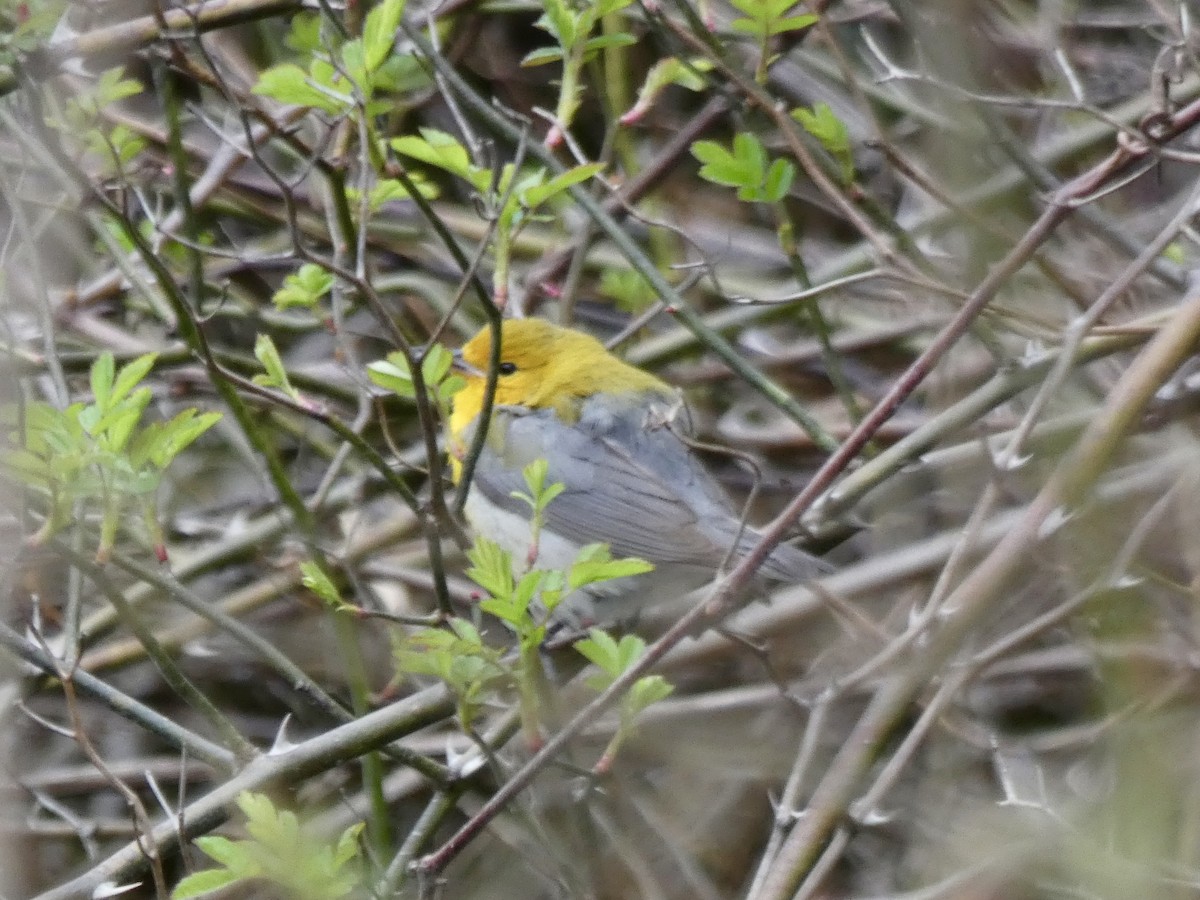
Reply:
x=513, y=534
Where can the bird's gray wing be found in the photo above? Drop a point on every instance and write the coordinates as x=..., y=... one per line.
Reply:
x=629, y=484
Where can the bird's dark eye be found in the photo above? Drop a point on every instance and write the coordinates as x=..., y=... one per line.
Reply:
x=506, y=368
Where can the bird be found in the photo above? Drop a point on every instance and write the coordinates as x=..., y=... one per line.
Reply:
x=614, y=436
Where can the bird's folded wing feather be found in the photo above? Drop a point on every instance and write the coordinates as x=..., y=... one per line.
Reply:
x=633, y=487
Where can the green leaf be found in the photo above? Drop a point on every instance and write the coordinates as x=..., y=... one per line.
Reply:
x=379, y=32
x=199, y=883
x=792, y=23
x=540, y=494
x=646, y=692
x=393, y=374
x=347, y=845
x=607, y=7
x=354, y=64
x=118, y=425
x=458, y=657
x=719, y=165
x=305, y=288
x=491, y=567
x=100, y=423
x=102, y=378
x=28, y=466
x=778, y=181
x=288, y=83
x=388, y=189
x=187, y=426
x=468, y=633
x=1175, y=253
x=283, y=852
x=748, y=150
x=745, y=167
x=535, y=475
x=330, y=82
x=125, y=144
x=602, y=42
x=534, y=196
x=131, y=374
x=313, y=577
x=437, y=148
x=231, y=854
x=748, y=26
x=436, y=363
x=560, y=22
x=630, y=650
x=550, y=493
x=831, y=131
x=261, y=815
x=614, y=659
x=304, y=36
x=402, y=72
x=450, y=387
x=111, y=86
x=668, y=71
x=765, y=18
x=161, y=442
x=527, y=588
x=541, y=57
x=268, y=355
x=595, y=564
x=601, y=650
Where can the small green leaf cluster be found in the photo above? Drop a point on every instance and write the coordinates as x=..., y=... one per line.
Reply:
x=394, y=374
x=99, y=450
x=746, y=167
x=539, y=497
x=613, y=658
x=763, y=20
x=831, y=131
x=357, y=78
x=687, y=74
x=313, y=577
x=458, y=657
x=572, y=30
x=510, y=598
x=442, y=150
x=276, y=375
x=80, y=117
x=281, y=851
x=388, y=189
x=525, y=602
x=527, y=190
x=304, y=288
x=349, y=77
x=511, y=199
x=26, y=25
x=767, y=18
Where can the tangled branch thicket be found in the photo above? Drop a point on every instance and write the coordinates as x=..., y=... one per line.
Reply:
x=925, y=268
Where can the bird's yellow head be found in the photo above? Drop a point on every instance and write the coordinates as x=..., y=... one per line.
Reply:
x=543, y=366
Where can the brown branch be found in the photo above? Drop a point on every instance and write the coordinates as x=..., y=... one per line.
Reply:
x=975, y=596
x=134, y=34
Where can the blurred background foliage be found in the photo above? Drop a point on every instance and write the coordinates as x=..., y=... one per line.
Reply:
x=957, y=236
